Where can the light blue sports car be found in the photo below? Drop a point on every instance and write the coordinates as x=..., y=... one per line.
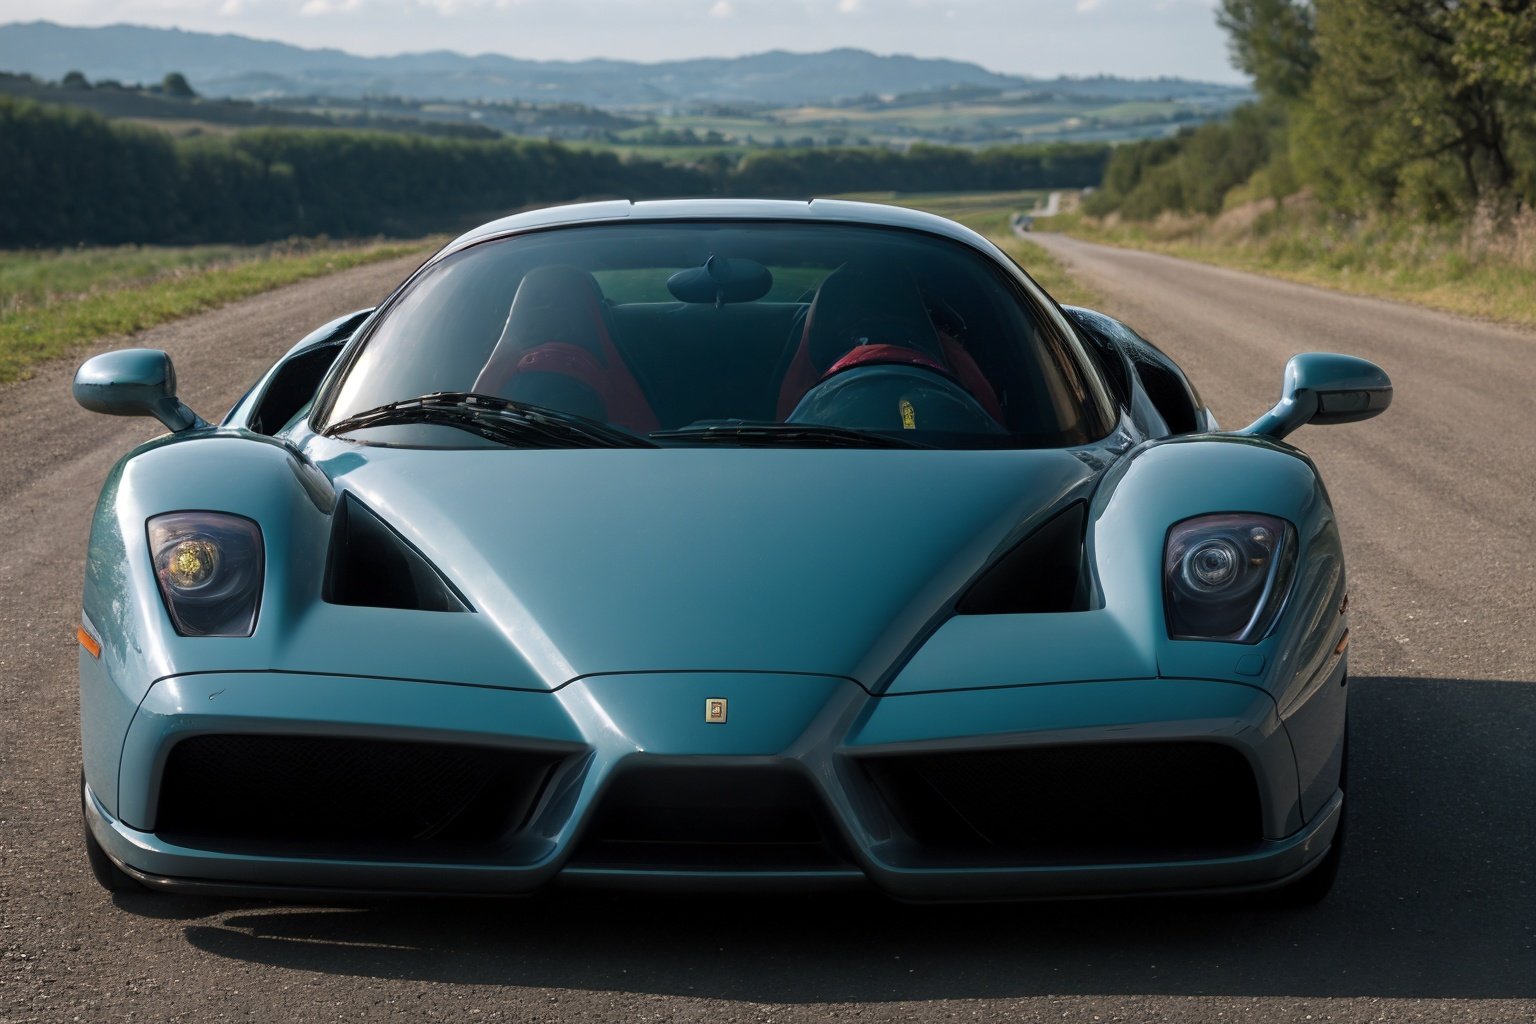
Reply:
x=717, y=545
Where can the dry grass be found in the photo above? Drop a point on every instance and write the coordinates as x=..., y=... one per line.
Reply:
x=52, y=303
x=1483, y=271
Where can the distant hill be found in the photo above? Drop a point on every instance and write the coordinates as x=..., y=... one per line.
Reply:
x=242, y=68
x=197, y=114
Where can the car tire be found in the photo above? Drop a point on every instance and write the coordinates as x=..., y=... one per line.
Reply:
x=110, y=877
x=1313, y=887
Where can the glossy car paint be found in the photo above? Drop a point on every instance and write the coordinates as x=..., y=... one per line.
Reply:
x=613, y=591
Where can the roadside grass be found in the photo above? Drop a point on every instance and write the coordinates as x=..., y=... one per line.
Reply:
x=52, y=303
x=33, y=278
x=1472, y=272
x=990, y=213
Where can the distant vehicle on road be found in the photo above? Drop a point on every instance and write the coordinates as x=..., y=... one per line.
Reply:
x=717, y=544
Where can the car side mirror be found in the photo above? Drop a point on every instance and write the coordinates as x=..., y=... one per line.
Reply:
x=134, y=382
x=1323, y=387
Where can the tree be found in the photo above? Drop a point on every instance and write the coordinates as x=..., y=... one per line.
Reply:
x=75, y=80
x=1423, y=103
x=1272, y=40
x=1193, y=171
x=175, y=84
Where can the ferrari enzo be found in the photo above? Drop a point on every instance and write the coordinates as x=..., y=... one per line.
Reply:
x=717, y=545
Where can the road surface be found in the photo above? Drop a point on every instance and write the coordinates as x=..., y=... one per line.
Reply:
x=1432, y=919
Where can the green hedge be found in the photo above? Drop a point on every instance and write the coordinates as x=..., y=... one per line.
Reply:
x=70, y=177
x=923, y=168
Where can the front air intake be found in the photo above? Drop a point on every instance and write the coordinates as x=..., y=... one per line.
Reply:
x=1042, y=573
x=1078, y=803
x=372, y=565
x=345, y=796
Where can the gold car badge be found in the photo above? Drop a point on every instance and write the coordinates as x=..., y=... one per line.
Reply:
x=714, y=710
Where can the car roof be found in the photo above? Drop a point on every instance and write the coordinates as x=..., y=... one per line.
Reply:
x=816, y=210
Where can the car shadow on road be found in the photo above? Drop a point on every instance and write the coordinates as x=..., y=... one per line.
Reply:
x=1437, y=898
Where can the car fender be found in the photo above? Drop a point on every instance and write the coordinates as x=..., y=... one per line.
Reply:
x=1300, y=662
x=208, y=470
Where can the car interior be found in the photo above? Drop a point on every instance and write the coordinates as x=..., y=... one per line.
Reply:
x=646, y=341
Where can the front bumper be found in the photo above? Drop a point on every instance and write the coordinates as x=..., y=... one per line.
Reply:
x=818, y=733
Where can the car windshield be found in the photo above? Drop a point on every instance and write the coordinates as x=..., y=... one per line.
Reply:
x=728, y=333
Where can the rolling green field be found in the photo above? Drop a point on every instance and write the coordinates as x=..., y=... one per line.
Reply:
x=52, y=303
x=990, y=120
x=689, y=131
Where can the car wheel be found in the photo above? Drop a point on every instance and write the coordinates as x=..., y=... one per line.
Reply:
x=1316, y=884
x=111, y=877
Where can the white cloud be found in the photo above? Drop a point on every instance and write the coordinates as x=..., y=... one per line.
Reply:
x=849, y=6
x=1086, y=6
x=447, y=8
x=721, y=9
x=320, y=8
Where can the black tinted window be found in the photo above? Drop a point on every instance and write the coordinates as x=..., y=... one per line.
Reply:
x=659, y=326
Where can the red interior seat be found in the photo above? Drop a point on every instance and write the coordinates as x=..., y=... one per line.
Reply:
x=557, y=351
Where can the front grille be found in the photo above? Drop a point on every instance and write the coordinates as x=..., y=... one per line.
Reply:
x=1100, y=802
x=343, y=795
x=727, y=819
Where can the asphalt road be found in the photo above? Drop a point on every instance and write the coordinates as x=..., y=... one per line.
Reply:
x=1434, y=917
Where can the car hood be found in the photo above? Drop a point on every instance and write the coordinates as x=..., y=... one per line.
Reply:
x=589, y=562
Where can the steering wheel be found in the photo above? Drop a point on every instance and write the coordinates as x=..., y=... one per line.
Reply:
x=893, y=397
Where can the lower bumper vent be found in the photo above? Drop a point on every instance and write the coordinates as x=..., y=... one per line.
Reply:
x=1100, y=802
x=344, y=796
x=731, y=819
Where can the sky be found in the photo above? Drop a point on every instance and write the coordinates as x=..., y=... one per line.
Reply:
x=1134, y=38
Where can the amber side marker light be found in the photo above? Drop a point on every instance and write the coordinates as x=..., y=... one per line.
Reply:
x=87, y=641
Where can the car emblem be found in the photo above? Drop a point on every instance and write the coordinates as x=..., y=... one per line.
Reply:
x=714, y=710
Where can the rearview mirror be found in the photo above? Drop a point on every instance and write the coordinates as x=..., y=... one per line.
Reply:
x=134, y=382
x=1323, y=387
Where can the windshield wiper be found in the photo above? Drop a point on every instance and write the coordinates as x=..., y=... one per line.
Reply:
x=785, y=435
x=515, y=424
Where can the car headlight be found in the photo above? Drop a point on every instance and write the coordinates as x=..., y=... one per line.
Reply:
x=1225, y=577
x=209, y=566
